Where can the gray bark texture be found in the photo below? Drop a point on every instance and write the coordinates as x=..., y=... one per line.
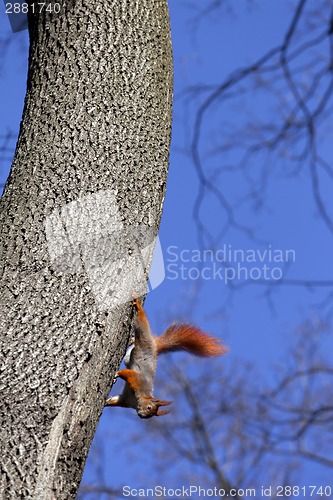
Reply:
x=96, y=126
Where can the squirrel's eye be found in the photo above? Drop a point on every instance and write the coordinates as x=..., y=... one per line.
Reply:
x=149, y=407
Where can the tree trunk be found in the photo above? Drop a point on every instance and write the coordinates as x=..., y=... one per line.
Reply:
x=78, y=217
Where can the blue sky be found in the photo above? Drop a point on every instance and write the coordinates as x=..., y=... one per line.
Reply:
x=258, y=330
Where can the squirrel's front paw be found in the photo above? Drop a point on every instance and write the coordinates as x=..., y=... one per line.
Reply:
x=113, y=401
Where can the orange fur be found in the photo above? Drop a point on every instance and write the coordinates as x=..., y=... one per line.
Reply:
x=131, y=377
x=140, y=313
x=191, y=339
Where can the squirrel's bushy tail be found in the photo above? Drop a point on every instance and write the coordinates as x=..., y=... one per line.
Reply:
x=185, y=337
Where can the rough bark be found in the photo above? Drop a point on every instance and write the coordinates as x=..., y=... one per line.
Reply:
x=96, y=120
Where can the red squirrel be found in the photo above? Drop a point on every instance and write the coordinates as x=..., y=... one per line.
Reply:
x=140, y=361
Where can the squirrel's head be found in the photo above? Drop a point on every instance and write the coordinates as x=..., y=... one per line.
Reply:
x=150, y=407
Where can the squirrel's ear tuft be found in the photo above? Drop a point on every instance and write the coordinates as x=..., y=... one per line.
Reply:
x=162, y=412
x=159, y=403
